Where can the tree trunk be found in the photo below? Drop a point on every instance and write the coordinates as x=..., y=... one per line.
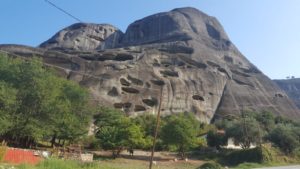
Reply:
x=53, y=140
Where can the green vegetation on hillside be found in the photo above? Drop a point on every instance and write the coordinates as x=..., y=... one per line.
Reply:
x=260, y=129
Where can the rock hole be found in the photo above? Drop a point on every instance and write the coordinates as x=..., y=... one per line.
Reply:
x=150, y=102
x=124, y=82
x=213, y=32
x=169, y=73
x=135, y=81
x=158, y=82
x=148, y=85
x=213, y=64
x=113, y=92
x=156, y=64
x=127, y=105
x=228, y=59
x=123, y=57
x=130, y=90
x=223, y=71
x=139, y=108
x=198, y=97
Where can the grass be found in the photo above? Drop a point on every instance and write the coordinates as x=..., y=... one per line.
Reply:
x=110, y=164
x=121, y=163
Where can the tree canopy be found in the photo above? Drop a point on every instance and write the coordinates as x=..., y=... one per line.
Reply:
x=36, y=104
x=181, y=131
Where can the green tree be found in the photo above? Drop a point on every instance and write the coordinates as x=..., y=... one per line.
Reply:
x=147, y=123
x=216, y=139
x=180, y=131
x=244, y=132
x=285, y=137
x=266, y=120
x=8, y=105
x=117, y=132
x=44, y=102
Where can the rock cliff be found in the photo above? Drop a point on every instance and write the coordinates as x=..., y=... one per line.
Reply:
x=184, y=50
x=292, y=88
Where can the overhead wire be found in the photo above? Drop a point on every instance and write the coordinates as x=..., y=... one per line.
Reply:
x=62, y=10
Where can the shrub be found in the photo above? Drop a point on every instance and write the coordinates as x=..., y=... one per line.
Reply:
x=211, y=165
x=285, y=137
x=255, y=155
x=242, y=156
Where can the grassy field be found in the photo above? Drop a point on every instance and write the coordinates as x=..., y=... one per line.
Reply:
x=122, y=163
x=112, y=164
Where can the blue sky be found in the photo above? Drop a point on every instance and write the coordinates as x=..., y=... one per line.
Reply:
x=267, y=32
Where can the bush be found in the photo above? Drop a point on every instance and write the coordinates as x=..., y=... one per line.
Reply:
x=211, y=165
x=255, y=155
x=285, y=137
x=241, y=156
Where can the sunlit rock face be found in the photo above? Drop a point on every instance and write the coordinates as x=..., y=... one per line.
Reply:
x=184, y=51
x=85, y=37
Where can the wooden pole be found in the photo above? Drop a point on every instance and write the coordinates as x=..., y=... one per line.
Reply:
x=156, y=128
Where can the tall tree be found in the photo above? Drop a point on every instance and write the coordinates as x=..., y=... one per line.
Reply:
x=46, y=104
x=181, y=131
x=117, y=132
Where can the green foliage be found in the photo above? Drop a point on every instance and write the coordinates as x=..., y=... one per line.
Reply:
x=244, y=132
x=211, y=165
x=180, y=131
x=61, y=164
x=285, y=137
x=266, y=120
x=246, y=155
x=205, y=128
x=36, y=104
x=147, y=123
x=8, y=104
x=117, y=132
x=216, y=139
x=201, y=142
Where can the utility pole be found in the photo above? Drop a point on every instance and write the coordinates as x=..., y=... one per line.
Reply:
x=156, y=128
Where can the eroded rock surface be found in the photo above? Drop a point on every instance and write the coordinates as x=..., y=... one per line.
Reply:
x=85, y=37
x=184, y=51
x=291, y=87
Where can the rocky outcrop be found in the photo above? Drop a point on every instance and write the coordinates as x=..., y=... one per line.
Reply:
x=85, y=37
x=291, y=88
x=184, y=51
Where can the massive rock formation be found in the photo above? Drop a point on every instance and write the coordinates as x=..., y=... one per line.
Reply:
x=292, y=88
x=184, y=50
x=85, y=37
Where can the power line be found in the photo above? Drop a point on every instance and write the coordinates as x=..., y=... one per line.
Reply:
x=62, y=10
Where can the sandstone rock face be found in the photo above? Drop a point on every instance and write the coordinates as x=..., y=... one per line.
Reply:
x=184, y=51
x=85, y=37
x=292, y=89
